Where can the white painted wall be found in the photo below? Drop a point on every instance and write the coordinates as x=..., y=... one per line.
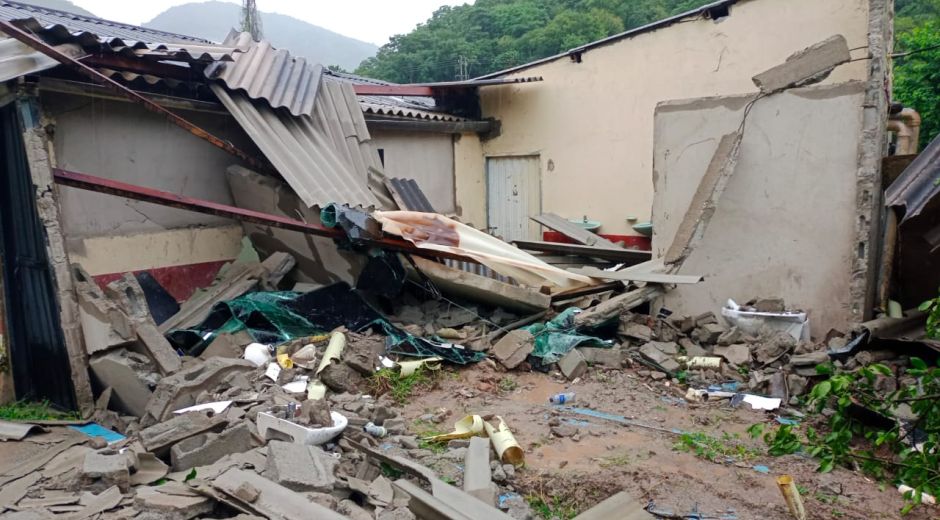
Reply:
x=426, y=157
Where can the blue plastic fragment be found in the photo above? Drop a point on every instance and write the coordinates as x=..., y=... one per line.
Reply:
x=96, y=430
x=501, y=500
x=762, y=469
x=787, y=421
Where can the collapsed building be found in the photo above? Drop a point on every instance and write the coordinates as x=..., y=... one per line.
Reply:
x=159, y=188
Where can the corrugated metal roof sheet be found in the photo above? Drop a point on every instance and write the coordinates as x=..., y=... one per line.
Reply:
x=16, y=59
x=327, y=157
x=48, y=19
x=917, y=185
x=263, y=72
x=407, y=192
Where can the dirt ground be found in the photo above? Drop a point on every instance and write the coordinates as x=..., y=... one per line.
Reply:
x=606, y=457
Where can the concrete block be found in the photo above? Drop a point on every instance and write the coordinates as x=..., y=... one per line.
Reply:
x=805, y=67
x=299, y=467
x=273, y=500
x=207, y=448
x=708, y=333
x=103, y=470
x=104, y=325
x=691, y=348
x=608, y=357
x=130, y=298
x=477, y=479
x=739, y=354
x=276, y=266
x=228, y=345
x=119, y=370
x=573, y=365
x=180, y=389
x=157, y=346
x=633, y=330
x=160, y=437
x=514, y=347
x=171, y=501
x=666, y=347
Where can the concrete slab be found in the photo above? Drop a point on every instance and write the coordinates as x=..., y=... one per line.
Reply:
x=180, y=389
x=477, y=479
x=160, y=437
x=300, y=467
x=118, y=370
x=810, y=65
x=157, y=346
x=481, y=288
x=172, y=501
x=272, y=500
x=620, y=506
x=573, y=365
x=513, y=348
x=207, y=448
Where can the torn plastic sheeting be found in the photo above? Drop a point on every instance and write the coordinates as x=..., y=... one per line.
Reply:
x=557, y=337
x=439, y=233
x=275, y=317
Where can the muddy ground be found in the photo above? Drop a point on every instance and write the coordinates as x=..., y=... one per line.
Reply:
x=606, y=457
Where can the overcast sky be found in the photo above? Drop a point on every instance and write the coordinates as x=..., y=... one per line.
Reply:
x=368, y=20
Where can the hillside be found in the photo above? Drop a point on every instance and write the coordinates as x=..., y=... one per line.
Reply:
x=61, y=5
x=213, y=20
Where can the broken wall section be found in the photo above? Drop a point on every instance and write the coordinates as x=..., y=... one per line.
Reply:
x=785, y=224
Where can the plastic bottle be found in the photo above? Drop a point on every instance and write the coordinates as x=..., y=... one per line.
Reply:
x=563, y=398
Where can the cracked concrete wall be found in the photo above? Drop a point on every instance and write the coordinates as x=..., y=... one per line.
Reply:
x=123, y=141
x=593, y=121
x=784, y=224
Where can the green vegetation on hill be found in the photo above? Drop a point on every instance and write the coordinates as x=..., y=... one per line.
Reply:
x=917, y=75
x=61, y=5
x=490, y=35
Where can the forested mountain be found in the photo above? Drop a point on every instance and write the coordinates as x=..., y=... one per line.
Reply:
x=61, y=5
x=491, y=35
x=917, y=74
x=213, y=20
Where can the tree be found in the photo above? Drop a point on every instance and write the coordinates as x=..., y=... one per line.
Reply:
x=917, y=75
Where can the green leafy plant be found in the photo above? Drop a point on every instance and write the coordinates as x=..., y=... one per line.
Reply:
x=401, y=388
x=508, y=384
x=551, y=508
x=713, y=449
x=932, y=308
x=31, y=411
x=782, y=440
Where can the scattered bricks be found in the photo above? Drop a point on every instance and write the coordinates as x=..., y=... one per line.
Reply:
x=207, y=448
x=668, y=348
x=159, y=437
x=100, y=471
x=608, y=357
x=171, y=501
x=770, y=305
x=122, y=371
x=708, y=333
x=730, y=337
x=684, y=324
x=633, y=330
x=160, y=350
x=705, y=319
x=104, y=325
x=395, y=425
x=476, y=473
x=650, y=352
x=777, y=385
x=671, y=365
x=180, y=389
x=665, y=332
x=573, y=365
x=658, y=376
x=691, y=348
x=513, y=348
x=810, y=65
x=737, y=355
x=299, y=467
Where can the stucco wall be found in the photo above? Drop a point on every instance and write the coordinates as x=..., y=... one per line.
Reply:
x=783, y=226
x=592, y=122
x=426, y=157
x=470, y=180
x=125, y=142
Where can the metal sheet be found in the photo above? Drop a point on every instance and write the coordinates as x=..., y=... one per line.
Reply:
x=917, y=185
x=263, y=72
x=325, y=158
x=17, y=59
x=16, y=431
x=408, y=195
x=627, y=256
x=572, y=231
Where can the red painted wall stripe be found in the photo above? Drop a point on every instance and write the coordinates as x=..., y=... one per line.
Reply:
x=181, y=281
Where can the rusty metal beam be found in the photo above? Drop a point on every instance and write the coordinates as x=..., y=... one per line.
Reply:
x=393, y=90
x=92, y=74
x=101, y=185
x=154, y=68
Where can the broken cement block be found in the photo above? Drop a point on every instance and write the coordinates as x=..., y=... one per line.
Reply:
x=476, y=473
x=608, y=357
x=633, y=330
x=171, y=501
x=180, y=389
x=272, y=500
x=770, y=305
x=228, y=345
x=276, y=267
x=100, y=471
x=811, y=359
x=731, y=336
x=708, y=333
x=122, y=371
x=159, y=437
x=104, y=325
x=650, y=352
x=810, y=65
x=160, y=350
x=514, y=347
x=573, y=365
x=738, y=355
x=666, y=347
x=207, y=448
x=691, y=348
x=129, y=297
x=299, y=467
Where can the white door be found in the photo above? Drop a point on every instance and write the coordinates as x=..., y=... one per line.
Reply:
x=513, y=194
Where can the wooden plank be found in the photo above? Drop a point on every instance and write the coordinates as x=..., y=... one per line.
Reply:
x=594, y=272
x=573, y=231
x=627, y=256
